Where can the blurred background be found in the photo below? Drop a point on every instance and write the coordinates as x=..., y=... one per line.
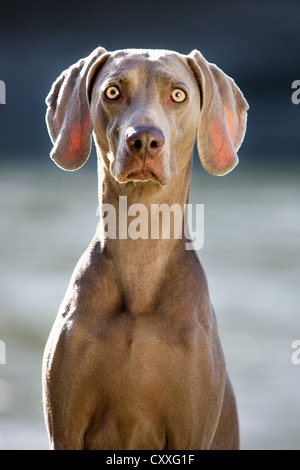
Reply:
x=252, y=226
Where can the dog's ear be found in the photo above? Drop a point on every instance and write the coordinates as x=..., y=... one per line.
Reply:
x=68, y=116
x=223, y=116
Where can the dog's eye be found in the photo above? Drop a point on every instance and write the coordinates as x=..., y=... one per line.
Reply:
x=112, y=92
x=178, y=95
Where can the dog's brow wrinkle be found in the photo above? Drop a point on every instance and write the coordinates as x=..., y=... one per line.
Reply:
x=114, y=78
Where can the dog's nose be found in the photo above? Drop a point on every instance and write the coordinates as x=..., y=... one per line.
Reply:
x=144, y=140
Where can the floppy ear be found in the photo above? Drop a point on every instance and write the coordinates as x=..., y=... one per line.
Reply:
x=68, y=117
x=223, y=116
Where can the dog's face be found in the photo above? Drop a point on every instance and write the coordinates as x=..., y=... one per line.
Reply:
x=145, y=108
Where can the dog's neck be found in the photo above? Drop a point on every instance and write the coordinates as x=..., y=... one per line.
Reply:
x=140, y=263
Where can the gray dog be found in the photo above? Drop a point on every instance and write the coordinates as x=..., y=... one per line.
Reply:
x=134, y=359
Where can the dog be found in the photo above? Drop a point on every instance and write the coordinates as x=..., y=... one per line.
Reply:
x=134, y=359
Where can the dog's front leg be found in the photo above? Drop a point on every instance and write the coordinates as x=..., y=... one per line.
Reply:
x=66, y=406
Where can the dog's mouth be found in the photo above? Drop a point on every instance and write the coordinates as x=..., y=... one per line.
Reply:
x=143, y=174
x=133, y=170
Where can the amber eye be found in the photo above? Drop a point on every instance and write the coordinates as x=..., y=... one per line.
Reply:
x=112, y=92
x=178, y=95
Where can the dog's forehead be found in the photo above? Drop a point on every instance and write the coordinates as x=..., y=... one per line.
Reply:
x=153, y=55
x=139, y=62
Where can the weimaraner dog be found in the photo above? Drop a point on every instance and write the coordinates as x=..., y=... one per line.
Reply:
x=134, y=359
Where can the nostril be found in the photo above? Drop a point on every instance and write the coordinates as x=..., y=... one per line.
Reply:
x=134, y=143
x=140, y=139
x=137, y=144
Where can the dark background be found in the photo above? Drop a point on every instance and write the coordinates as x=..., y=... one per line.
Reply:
x=257, y=43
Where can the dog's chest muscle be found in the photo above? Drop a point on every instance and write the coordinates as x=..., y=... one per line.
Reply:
x=143, y=372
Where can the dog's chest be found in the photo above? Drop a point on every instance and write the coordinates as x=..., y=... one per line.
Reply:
x=143, y=373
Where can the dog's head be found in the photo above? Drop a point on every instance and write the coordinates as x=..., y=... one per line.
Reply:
x=146, y=108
